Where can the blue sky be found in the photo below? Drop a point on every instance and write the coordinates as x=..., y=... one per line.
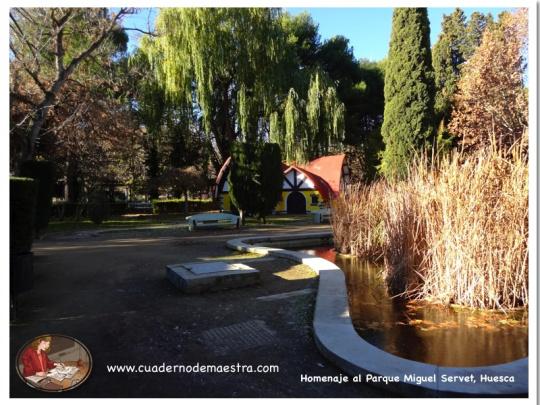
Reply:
x=368, y=29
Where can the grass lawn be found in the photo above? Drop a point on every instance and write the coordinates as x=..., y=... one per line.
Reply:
x=281, y=220
x=123, y=221
x=154, y=220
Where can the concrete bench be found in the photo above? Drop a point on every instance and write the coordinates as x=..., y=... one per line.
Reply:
x=212, y=220
x=322, y=215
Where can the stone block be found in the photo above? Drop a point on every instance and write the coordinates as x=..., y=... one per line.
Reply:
x=211, y=276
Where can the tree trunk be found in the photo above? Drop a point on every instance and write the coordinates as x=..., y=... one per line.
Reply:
x=186, y=202
x=33, y=135
x=72, y=182
x=224, y=123
x=242, y=217
x=61, y=75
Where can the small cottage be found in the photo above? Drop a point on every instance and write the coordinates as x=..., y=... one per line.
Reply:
x=306, y=187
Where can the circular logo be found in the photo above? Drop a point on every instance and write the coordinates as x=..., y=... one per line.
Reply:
x=54, y=363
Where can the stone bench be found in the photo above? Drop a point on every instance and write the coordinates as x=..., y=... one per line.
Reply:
x=322, y=215
x=212, y=220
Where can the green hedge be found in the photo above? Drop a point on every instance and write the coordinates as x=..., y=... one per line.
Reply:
x=69, y=210
x=44, y=172
x=177, y=205
x=66, y=210
x=118, y=208
x=165, y=206
x=98, y=207
x=22, y=208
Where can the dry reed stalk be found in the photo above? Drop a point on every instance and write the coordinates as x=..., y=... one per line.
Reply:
x=456, y=233
x=357, y=221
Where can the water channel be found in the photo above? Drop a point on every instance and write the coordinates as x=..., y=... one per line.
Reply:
x=436, y=334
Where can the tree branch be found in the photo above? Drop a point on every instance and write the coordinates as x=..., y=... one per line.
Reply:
x=63, y=73
x=59, y=48
x=22, y=98
x=59, y=41
x=152, y=34
x=22, y=37
x=94, y=45
x=31, y=73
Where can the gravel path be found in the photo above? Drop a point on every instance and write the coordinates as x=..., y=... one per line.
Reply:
x=109, y=291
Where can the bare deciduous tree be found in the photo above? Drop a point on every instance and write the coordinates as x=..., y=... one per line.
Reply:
x=47, y=45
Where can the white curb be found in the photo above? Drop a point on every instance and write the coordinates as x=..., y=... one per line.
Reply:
x=338, y=341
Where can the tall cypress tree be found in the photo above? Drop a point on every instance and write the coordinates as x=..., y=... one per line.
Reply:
x=447, y=58
x=476, y=26
x=270, y=178
x=255, y=178
x=408, y=91
x=242, y=178
x=456, y=44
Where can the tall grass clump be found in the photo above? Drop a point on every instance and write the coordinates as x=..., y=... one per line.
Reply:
x=359, y=231
x=454, y=232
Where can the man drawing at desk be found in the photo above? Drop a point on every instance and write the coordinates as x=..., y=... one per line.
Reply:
x=35, y=360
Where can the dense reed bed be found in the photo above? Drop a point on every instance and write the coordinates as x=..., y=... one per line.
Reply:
x=454, y=232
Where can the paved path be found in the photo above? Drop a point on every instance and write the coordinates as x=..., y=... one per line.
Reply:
x=110, y=291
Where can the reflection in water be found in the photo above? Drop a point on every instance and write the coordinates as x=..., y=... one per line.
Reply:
x=436, y=334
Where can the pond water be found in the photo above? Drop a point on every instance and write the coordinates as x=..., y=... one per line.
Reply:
x=435, y=334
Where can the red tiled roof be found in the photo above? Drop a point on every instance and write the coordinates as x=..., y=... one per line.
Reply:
x=324, y=172
x=328, y=168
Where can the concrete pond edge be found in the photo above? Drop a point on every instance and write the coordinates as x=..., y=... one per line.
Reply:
x=340, y=344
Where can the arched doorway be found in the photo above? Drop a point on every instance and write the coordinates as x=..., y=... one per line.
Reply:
x=296, y=203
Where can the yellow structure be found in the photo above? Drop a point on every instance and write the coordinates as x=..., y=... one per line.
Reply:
x=314, y=201
x=305, y=188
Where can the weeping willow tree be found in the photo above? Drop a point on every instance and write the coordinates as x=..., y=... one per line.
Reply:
x=226, y=62
x=311, y=127
x=171, y=140
x=150, y=108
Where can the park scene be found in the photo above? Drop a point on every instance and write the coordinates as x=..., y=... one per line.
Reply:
x=262, y=203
